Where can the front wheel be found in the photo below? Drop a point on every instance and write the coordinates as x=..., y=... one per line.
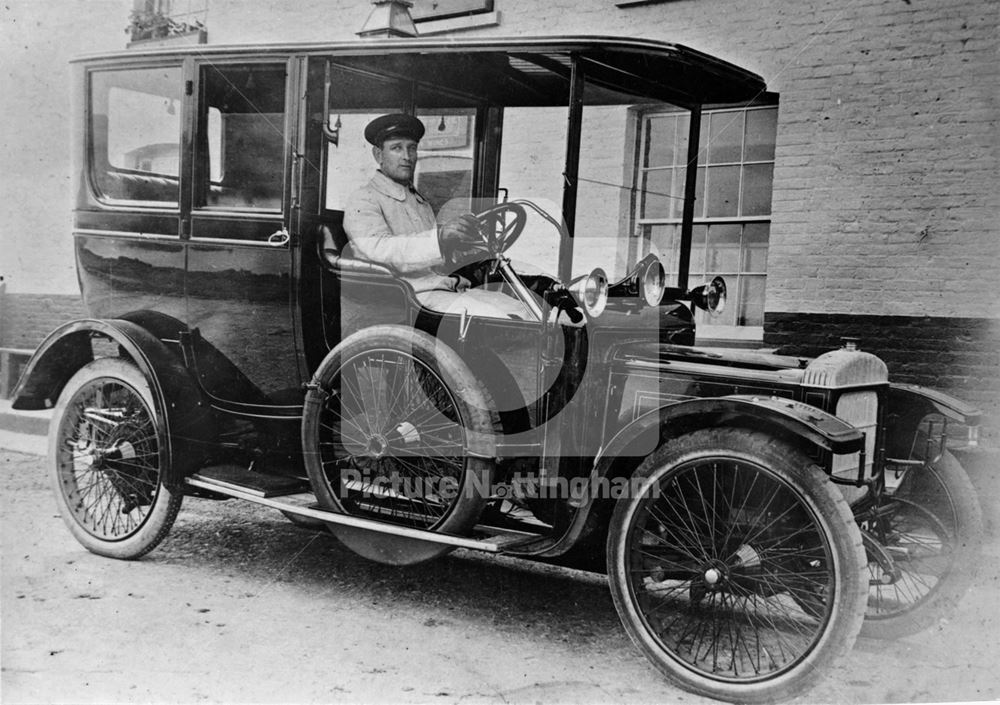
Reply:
x=736, y=566
x=107, y=459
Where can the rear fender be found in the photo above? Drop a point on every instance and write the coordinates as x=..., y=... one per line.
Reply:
x=625, y=451
x=183, y=417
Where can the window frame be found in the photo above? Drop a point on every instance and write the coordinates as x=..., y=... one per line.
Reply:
x=201, y=177
x=473, y=7
x=111, y=203
x=706, y=330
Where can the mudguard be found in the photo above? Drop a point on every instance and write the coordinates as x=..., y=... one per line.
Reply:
x=183, y=417
x=909, y=404
x=643, y=435
x=907, y=397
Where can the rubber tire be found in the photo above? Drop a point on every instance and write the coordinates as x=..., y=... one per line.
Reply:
x=950, y=477
x=472, y=400
x=166, y=503
x=826, y=501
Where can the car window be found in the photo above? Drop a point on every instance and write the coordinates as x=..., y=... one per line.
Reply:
x=445, y=170
x=241, y=137
x=446, y=165
x=135, y=134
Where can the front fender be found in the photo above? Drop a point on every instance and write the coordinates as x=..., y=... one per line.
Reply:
x=182, y=415
x=642, y=436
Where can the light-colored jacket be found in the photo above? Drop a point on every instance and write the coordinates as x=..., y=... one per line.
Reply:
x=394, y=225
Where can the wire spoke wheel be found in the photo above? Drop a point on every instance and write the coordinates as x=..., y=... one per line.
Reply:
x=395, y=444
x=720, y=575
x=931, y=527
x=923, y=552
x=729, y=572
x=401, y=433
x=107, y=461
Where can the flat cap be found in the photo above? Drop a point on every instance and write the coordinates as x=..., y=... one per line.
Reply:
x=393, y=125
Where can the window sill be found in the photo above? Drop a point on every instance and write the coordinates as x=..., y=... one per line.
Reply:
x=730, y=336
x=198, y=36
x=459, y=24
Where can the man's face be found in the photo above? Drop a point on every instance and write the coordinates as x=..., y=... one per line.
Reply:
x=397, y=158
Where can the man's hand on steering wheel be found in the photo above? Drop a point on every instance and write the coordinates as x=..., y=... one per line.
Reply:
x=461, y=237
x=483, y=236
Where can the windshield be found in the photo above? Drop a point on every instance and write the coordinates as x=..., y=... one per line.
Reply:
x=615, y=196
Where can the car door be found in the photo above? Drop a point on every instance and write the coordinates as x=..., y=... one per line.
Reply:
x=239, y=269
x=130, y=257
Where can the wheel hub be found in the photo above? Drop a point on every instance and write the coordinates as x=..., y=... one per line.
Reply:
x=714, y=575
x=377, y=446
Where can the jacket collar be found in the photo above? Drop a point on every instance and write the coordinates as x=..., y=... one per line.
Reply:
x=394, y=190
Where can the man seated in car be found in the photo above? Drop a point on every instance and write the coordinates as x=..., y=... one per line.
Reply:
x=389, y=222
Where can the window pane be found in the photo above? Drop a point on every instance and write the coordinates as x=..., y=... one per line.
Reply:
x=750, y=303
x=726, y=137
x=349, y=162
x=723, y=255
x=755, y=239
x=444, y=170
x=698, y=235
x=664, y=241
x=662, y=194
x=761, y=130
x=135, y=133
x=250, y=100
x=726, y=318
x=660, y=141
x=699, y=194
x=723, y=191
x=758, y=181
x=215, y=144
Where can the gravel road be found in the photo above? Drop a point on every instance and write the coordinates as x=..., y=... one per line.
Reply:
x=239, y=605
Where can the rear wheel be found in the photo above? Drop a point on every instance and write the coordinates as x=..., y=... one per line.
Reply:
x=107, y=461
x=932, y=527
x=395, y=438
x=736, y=567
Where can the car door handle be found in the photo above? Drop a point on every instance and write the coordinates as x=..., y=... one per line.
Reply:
x=279, y=238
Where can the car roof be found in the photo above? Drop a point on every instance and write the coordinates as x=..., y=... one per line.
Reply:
x=658, y=69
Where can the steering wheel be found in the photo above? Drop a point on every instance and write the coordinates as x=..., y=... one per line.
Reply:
x=501, y=225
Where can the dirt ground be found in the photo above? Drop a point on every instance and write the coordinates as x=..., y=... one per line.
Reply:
x=238, y=605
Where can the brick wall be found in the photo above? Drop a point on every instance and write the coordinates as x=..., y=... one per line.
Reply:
x=960, y=356
x=885, y=194
x=25, y=319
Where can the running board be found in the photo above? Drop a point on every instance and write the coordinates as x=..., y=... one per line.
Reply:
x=304, y=504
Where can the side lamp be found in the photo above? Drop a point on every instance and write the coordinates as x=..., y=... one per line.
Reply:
x=710, y=297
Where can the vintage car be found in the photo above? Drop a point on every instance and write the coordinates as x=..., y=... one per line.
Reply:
x=753, y=512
